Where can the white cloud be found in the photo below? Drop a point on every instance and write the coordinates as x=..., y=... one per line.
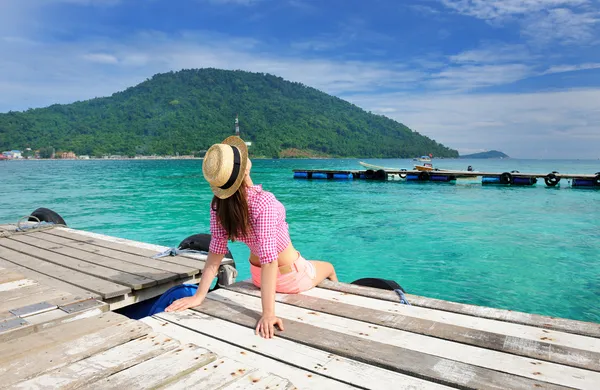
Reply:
x=542, y=21
x=494, y=54
x=132, y=60
x=572, y=68
x=424, y=9
x=562, y=25
x=101, y=58
x=499, y=9
x=477, y=76
x=532, y=125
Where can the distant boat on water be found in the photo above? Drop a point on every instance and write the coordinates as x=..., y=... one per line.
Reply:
x=422, y=159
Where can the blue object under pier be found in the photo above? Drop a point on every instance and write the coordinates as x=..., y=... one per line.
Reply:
x=588, y=183
x=441, y=178
x=490, y=180
x=524, y=181
x=343, y=176
x=300, y=175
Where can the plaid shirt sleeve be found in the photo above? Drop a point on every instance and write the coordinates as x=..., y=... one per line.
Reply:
x=265, y=229
x=218, y=235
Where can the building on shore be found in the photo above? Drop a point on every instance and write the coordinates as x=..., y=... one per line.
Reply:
x=13, y=154
x=68, y=155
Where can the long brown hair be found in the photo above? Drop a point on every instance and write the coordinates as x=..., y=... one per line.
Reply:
x=233, y=213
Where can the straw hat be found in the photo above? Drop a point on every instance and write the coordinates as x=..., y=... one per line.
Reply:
x=224, y=166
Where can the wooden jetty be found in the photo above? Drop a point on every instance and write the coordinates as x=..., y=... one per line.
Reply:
x=337, y=336
x=119, y=271
x=551, y=179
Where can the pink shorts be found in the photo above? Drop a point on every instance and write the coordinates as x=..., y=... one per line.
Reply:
x=297, y=279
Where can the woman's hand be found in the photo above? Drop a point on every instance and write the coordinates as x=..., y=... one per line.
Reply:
x=266, y=326
x=185, y=303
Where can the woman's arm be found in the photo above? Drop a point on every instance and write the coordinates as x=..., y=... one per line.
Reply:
x=268, y=279
x=211, y=267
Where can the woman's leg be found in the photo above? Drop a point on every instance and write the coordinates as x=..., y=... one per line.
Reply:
x=324, y=270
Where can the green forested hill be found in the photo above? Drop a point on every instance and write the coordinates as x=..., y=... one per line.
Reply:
x=187, y=111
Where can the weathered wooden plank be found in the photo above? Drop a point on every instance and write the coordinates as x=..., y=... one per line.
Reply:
x=502, y=327
x=159, y=371
x=17, y=284
x=9, y=275
x=79, y=293
x=108, y=274
x=221, y=372
x=133, y=247
x=386, y=356
x=50, y=319
x=555, y=338
x=312, y=363
x=131, y=258
x=102, y=365
x=545, y=322
x=159, y=276
x=96, y=285
x=226, y=342
x=17, y=298
x=260, y=380
x=57, y=335
x=474, y=357
x=71, y=346
x=191, y=259
x=370, y=310
x=116, y=243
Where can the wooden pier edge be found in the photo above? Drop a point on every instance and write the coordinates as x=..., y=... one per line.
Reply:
x=555, y=323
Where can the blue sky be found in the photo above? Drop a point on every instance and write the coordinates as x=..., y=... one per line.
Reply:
x=521, y=76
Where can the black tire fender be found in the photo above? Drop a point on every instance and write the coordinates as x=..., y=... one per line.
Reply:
x=383, y=284
x=551, y=180
x=43, y=214
x=506, y=178
x=200, y=242
x=380, y=174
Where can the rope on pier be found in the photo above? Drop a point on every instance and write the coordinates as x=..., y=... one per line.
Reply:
x=39, y=226
x=177, y=251
x=403, y=299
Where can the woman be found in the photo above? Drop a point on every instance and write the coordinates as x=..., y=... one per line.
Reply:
x=245, y=212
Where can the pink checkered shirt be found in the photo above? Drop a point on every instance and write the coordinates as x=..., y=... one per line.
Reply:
x=269, y=235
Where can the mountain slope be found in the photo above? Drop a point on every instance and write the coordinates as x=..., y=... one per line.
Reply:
x=187, y=111
x=489, y=154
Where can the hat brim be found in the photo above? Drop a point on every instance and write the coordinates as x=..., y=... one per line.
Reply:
x=238, y=143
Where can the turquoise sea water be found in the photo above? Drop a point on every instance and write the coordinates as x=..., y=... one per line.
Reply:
x=532, y=249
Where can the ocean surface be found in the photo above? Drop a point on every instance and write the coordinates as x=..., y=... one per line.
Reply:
x=532, y=249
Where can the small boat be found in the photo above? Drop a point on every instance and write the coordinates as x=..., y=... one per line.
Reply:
x=426, y=167
x=373, y=166
x=422, y=159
